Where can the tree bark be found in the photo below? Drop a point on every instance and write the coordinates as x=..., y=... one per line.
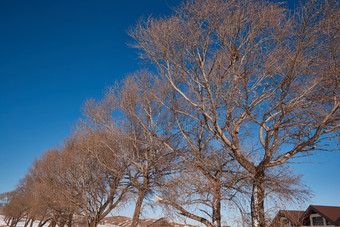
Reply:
x=138, y=207
x=31, y=225
x=8, y=220
x=185, y=212
x=43, y=222
x=257, y=200
x=216, y=217
x=52, y=223
x=14, y=222
x=70, y=219
x=28, y=220
x=93, y=223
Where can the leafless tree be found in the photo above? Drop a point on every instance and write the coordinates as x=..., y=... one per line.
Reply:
x=196, y=195
x=49, y=174
x=131, y=117
x=206, y=174
x=73, y=181
x=208, y=178
x=15, y=207
x=24, y=203
x=257, y=73
x=69, y=180
x=101, y=189
x=32, y=202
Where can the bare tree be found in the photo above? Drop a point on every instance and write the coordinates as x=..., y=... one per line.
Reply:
x=206, y=174
x=101, y=189
x=72, y=180
x=257, y=73
x=16, y=205
x=33, y=206
x=132, y=118
x=149, y=142
x=69, y=180
x=196, y=195
x=24, y=203
x=209, y=177
x=50, y=182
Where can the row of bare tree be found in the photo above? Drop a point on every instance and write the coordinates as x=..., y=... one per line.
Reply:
x=236, y=90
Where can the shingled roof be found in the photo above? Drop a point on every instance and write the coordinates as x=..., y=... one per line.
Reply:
x=331, y=213
x=292, y=215
x=298, y=217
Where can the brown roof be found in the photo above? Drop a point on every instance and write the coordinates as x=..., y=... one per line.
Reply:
x=331, y=213
x=293, y=215
x=296, y=217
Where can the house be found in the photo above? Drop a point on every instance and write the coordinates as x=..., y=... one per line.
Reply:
x=287, y=218
x=313, y=216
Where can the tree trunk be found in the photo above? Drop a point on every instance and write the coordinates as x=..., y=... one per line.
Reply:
x=43, y=222
x=70, y=219
x=8, y=220
x=27, y=222
x=257, y=200
x=31, y=225
x=93, y=223
x=186, y=213
x=14, y=222
x=53, y=223
x=216, y=216
x=61, y=221
x=138, y=207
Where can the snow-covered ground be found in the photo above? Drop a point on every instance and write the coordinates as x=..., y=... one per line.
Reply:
x=2, y=223
x=36, y=223
x=122, y=222
x=20, y=223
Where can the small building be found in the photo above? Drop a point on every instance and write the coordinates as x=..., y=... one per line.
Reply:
x=327, y=216
x=287, y=218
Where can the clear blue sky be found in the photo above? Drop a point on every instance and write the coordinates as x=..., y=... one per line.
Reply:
x=53, y=56
x=56, y=54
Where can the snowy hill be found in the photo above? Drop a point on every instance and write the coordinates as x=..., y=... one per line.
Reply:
x=117, y=221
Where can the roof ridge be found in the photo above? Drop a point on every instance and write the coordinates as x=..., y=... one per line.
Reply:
x=323, y=206
x=327, y=212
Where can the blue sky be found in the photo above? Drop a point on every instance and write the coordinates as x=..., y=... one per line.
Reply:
x=53, y=56
x=56, y=54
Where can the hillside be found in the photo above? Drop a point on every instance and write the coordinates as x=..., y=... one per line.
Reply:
x=117, y=221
